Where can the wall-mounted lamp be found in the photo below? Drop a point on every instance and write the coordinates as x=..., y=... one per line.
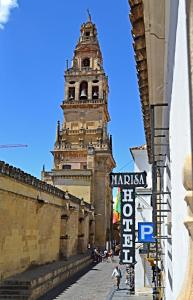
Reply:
x=66, y=196
x=139, y=207
x=82, y=202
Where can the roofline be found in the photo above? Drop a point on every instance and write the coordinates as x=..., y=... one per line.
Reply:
x=139, y=45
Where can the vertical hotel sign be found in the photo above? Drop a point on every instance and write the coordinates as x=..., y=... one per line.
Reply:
x=127, y=183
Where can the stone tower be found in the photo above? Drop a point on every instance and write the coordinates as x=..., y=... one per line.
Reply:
x=83, y=149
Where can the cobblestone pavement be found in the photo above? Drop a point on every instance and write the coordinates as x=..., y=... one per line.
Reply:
x=95, y=284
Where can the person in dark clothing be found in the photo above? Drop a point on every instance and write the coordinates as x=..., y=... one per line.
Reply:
x=117, y=275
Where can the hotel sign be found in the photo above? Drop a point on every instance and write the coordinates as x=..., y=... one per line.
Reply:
x=128, y=180
x=127, y=183
x=127, y=226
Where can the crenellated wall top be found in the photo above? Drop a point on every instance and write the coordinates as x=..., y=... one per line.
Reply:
x=19, y=175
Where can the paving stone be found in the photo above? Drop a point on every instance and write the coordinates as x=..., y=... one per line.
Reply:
x=94, y=284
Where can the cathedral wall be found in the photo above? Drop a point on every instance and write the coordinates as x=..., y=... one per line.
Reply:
x=29, y=229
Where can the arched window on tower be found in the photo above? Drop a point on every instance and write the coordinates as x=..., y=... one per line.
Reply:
x=95, y=92
x=71, y=93
x=86, y=62
x=86, y=35
x=83, y=93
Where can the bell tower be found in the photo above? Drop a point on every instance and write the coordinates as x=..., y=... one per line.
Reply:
x=83, y=149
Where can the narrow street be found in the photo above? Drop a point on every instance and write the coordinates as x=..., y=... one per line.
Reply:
x=95, y=283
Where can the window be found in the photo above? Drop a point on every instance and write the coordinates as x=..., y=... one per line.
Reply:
x=66, y=167
x=86, y=62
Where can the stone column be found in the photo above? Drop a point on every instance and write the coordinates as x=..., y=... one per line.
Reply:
x=66, y=91
x=101, y=217
x=73, y=230
x=64, y=235
x=81, y=232
x=89, y=90
x=86, y=231
x=100, y=89
x=77, y=85
x=91, y=231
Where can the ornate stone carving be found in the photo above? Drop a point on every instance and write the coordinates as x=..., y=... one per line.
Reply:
x=187, y=289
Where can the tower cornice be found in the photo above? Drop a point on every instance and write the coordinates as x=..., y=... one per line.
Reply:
x=92, y=104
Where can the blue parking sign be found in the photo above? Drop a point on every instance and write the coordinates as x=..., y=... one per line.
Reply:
x=145, y=232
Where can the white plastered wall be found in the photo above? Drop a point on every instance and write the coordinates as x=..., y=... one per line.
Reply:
x=180, y=147
x=141, y=164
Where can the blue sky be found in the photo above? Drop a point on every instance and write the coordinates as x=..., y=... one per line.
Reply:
x=37, y=39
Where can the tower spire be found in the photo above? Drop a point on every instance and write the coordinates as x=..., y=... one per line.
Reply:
x=89, y=15
x=58, y=132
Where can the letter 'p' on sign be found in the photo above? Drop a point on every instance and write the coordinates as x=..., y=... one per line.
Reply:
x=146, y=232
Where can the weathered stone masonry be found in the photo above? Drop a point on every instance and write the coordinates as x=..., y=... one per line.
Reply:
x=39, y=223
x=82, y=152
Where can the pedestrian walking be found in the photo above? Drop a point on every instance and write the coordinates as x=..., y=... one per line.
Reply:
x=110, y=255
x=97, y=256
x=105, y=255
x=117, y=276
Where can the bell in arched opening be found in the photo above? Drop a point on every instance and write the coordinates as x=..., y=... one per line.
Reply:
x=83, y=93
x=95, y=92
x=71, y=93
x=83, y=90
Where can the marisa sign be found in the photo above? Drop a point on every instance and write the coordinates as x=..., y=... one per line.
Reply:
x=129, y=180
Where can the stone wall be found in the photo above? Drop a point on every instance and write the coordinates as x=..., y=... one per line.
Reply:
x=38, y=222
x=29, y=229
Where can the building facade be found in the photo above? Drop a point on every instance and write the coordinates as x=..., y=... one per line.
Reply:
x=39, y=223
x=143, y=213
x=83, y=149
x=162, y=33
